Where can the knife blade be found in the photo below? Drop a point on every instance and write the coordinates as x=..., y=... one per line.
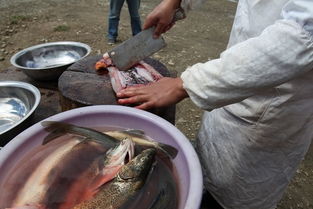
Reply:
x=135, y=49
x=139, y=46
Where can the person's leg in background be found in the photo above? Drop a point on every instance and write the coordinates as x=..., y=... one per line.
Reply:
x=114, y=18
x=133, y=8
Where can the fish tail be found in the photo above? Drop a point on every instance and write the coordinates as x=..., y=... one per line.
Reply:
x=168, y=149
x=51, y=136
x=56, y=129
x=53, y=125
x=134, y=132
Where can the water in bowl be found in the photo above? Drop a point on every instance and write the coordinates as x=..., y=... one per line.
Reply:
x=53, y=58
x=12, y=110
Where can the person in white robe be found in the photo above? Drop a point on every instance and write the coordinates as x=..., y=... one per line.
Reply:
x=258, y=97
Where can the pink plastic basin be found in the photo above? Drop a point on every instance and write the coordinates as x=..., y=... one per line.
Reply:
x=186, y=162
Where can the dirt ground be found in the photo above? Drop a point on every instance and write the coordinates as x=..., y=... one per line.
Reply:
x=200, y=37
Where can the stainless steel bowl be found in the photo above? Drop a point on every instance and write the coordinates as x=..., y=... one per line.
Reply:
x=48, y=61
x=18, y=101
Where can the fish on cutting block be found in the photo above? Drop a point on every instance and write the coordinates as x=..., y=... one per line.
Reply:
x=139, y=74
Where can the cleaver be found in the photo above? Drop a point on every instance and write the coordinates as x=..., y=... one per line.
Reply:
x=139, y=46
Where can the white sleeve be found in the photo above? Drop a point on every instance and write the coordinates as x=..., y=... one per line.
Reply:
x=281, y=52
x=300, y=11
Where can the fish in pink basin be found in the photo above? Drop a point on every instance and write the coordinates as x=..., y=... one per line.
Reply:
x=29, y=207
x=63, y=173
x=139, y=74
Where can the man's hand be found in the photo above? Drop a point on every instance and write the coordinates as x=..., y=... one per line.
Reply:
x=162, y=17
x=162, y=93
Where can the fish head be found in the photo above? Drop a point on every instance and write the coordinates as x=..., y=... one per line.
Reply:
x=139, y=167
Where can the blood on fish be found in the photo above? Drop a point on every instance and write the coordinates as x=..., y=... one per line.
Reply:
x=104, y=62
x=24, y=171
x=140, y=74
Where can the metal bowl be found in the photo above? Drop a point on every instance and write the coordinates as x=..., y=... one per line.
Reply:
x=48, y=61
x=18, y=101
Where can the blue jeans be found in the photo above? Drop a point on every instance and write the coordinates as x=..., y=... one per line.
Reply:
x=114, y=16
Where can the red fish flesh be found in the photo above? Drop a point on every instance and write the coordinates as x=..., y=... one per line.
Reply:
x=64, y=175
x=140, y=74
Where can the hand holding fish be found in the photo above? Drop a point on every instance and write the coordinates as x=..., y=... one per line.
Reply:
x=162, y=93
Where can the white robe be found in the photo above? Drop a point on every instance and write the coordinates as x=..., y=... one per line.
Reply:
x=259, y=97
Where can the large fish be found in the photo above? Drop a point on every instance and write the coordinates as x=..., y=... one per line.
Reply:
x=29, y=207
x=69, y=175
x=23, y=171
x=101, y=171
x=160, y=190
x=117, y=193
x=110, y=137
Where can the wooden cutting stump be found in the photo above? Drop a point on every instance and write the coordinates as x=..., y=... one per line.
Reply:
x=81, y=86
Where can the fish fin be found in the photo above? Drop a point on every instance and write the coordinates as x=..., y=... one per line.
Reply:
x=51, y=136
x=55, y=128
x=54, y=125
x=65, y=128
x=168, y=149
x=135, y=133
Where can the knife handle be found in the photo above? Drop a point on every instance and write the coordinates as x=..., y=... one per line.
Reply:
x=179, y=15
